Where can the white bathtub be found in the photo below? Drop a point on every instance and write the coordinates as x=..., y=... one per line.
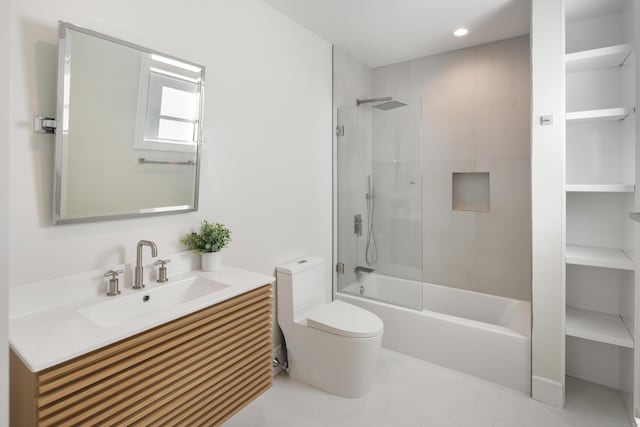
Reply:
x=482, y=335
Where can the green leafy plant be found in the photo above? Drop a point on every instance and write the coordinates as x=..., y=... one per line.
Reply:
x=212, y=238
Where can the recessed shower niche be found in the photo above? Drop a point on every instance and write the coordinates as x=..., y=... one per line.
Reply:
x=470, y=191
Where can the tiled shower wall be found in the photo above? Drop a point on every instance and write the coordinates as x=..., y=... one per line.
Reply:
x=475, y=118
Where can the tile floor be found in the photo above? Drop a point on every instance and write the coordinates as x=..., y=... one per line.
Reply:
x=409, y=392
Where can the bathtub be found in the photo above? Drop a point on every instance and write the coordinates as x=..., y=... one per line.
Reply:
x=481, y=335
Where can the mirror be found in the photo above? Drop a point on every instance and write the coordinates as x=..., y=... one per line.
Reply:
x=128, y=129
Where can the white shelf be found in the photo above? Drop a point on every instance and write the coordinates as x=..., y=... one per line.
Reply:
x=607, y=114
x=598, y=257
x=601, y=188
x=595, y=326
x=594, y=59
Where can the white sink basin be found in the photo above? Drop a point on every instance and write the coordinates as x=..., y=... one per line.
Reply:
x=146, y=302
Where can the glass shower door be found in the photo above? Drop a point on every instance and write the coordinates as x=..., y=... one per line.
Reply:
x=379, y=198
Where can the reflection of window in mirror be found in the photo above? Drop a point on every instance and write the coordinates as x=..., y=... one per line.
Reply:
x=168, y=105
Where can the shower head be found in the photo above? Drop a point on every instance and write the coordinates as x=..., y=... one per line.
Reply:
x=386, y=103
x=390, y=105
x=367, y=101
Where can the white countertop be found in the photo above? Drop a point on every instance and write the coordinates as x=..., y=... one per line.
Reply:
x=55, y=333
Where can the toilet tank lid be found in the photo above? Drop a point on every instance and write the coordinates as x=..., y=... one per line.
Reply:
x=300, y=265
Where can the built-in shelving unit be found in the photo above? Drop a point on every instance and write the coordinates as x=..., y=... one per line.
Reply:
x=600, y=327
x=595, y=59
x=598, y=257
x=600, y=191
x=602, y=115
x=601, y=188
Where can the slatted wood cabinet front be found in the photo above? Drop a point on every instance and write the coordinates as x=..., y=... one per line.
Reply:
x=196, y=370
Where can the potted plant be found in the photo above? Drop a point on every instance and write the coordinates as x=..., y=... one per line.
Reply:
x=213, y=237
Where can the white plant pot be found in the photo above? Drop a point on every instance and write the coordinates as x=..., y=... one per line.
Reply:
x=211, y=261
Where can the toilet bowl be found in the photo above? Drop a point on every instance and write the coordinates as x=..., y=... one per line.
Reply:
x=332, y=346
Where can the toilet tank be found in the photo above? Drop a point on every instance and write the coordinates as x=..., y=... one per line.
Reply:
x=301, y=285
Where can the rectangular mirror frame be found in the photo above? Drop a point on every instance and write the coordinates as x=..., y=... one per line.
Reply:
x=63, y=27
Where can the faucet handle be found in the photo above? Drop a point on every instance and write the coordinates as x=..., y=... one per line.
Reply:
x=113, y=286
x=113, y=273
x=162, y=271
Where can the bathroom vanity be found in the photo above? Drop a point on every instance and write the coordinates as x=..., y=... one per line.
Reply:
x=197, y=357
x=193, y=350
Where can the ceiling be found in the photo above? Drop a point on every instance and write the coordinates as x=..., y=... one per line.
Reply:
x=380, y=32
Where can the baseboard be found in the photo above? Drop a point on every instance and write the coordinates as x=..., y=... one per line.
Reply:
x=547, y=391
x=627, y=399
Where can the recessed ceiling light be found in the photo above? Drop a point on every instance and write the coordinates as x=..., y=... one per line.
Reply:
x=460, y=32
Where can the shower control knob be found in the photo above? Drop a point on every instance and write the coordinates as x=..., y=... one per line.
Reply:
x=357, y=225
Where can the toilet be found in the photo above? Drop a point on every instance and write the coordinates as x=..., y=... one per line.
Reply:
x=331, y=345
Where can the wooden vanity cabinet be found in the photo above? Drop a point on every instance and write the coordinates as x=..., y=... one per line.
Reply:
x=199, y=369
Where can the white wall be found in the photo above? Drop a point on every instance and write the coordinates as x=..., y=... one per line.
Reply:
x=547, y=201
x=475, y=118
x=267, y=158
x=266, y=166
x=5, y=87
x=600, y=31
x=352, y=79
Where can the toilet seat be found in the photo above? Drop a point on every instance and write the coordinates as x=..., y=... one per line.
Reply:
x=340, y=318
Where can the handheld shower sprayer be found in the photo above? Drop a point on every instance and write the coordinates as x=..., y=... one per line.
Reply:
x=370, y=195
x=371, y=250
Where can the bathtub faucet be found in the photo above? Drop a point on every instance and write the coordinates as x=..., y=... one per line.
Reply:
x=359, y=270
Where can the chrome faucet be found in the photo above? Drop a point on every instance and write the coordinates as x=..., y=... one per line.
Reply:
x=137, y=284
